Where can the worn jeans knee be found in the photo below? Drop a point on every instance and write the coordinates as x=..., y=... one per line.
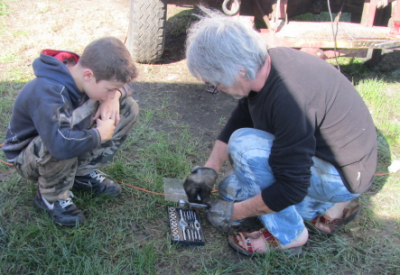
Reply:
x=229, y=187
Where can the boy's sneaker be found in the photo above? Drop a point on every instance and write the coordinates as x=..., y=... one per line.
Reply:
x=98, y=183
x=63, y=212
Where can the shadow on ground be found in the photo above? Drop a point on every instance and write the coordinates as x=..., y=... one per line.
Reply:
x=175, y=36
x=205, y=114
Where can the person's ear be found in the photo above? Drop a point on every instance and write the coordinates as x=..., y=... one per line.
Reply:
x=87, y=74
x=243, y=72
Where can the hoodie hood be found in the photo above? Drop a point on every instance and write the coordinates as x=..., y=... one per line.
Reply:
x=50, y=65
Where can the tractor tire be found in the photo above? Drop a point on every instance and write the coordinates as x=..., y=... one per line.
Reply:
x=146, y=30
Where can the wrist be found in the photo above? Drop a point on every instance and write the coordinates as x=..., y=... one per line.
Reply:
x=118, y=95
x=213, y=165
x=235, y=211
x=98, y=128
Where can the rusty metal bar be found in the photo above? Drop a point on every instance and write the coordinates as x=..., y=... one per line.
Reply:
x=281, y=8
x=263, y=14
x=368, y=15
x=396, y=11
x=317, y=35
x=395, y=29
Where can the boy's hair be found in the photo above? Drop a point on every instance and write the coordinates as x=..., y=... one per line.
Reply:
x=109, y=60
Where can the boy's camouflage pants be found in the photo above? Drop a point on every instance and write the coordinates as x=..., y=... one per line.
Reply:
x=56, y=177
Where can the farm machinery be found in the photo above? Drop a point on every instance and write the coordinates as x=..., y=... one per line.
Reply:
x=373, y=27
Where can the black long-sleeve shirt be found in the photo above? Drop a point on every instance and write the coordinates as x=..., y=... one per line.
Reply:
x=312, y=110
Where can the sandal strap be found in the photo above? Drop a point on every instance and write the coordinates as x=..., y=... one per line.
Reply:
x=324, y=220
x=270, y=240
x=248, y=245
x=349, y=213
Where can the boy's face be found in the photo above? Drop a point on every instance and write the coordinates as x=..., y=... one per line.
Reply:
x=100, y=90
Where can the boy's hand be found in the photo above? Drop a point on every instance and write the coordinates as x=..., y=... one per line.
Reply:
x=109, y=109
x=106, y=128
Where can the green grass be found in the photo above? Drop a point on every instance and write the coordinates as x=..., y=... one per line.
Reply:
x=383, y=107
x=130, y=234
x=4, y=9
x=7, y=58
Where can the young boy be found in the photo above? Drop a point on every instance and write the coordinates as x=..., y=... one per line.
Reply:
x=71, y=120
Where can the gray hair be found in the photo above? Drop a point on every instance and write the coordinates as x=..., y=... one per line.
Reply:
x=218, y=47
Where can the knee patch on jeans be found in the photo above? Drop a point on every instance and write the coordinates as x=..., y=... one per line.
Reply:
x=228, y=187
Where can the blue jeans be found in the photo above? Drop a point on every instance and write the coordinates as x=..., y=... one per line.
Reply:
x=249, y=151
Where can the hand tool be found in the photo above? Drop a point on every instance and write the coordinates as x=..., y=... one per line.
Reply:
x=197, y=225
x=182, y=224
x=185, y=226
x=182, y=203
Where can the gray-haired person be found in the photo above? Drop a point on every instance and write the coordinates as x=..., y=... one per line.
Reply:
x=301, y=141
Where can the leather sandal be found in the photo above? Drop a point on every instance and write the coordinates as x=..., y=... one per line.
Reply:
x=349, y=213
x=269, y=240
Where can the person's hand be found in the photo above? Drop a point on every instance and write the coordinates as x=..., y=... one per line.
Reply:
x=200, y=183
x=219, y=214
x=106, y=128
x=109, y=109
